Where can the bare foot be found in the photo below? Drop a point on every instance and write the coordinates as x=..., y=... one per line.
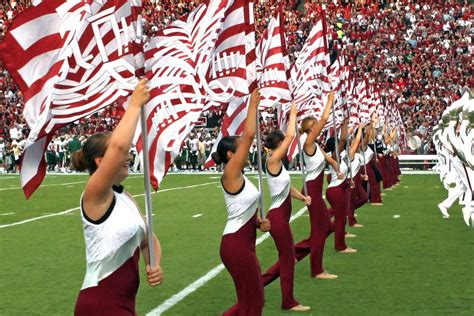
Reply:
x=326, y=276
x=300, y=308
x=348, y=250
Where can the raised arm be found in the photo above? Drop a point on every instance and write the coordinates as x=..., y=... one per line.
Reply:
x=232, y=177
x=98, y=193
x=355, y=145
x=280, y=152
x=314, y=133
x=344, y=129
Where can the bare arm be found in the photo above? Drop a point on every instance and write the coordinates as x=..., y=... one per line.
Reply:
x=98, y=193
x=342, y=141
x=310, y=140
x=232, y=177
x=355, y=146
x=279, y=153
x=295, y=193
x=331, y=161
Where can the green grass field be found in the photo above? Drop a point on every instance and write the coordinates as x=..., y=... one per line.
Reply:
x=417, y=264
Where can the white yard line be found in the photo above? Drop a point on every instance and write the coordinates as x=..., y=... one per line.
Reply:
x=77, y=208
x=45, y=185
x=181, y=295
x=54, y=184
x=5, y=214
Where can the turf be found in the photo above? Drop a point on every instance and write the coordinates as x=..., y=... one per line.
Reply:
x=414, y=264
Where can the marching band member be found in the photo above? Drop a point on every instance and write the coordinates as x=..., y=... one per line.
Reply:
x=373, y=185
x=358, y=195
x=114, y=229
x=281, y=191
x=237, y=248
x=448, y=175
x=337, y=192
x=461, y=164
x=315, y=159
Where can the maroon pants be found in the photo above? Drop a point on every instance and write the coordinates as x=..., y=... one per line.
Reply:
x=114, y=295
x=237, y=252
x=339, y=197
x=283, y=238
x=374, y=185
x=320, y=229
x=382, y=166
x=358, y=198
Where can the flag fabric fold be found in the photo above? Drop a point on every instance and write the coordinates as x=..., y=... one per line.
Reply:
x=70, y=59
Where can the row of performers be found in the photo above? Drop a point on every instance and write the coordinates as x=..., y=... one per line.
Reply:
x=115, y=232
x=453, y=140
x=345, y=196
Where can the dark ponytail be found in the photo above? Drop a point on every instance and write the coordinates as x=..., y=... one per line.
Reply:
x=95, y=146
x=273, y=139
x=226, y=144
x=330, y=145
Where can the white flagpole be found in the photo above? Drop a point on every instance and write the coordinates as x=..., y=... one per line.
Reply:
x=300, y=149
x=146, y=172
x=335, y=137
x=260, y=169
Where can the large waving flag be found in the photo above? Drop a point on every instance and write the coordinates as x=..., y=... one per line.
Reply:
x=232, y=72
x=309, y=75
x=273, y=64
x=203, y=58
x=70, y=59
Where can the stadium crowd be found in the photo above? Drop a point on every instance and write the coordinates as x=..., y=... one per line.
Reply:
x=418, y=54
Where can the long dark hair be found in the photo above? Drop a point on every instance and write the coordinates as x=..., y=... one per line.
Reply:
x=228, y=143
x=95, y=146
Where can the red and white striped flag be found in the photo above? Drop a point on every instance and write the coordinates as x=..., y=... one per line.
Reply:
x=309, y=77
x=70, y=59
x=232, y=123
x=273, y=64
x=203, y=58
x=232, y=72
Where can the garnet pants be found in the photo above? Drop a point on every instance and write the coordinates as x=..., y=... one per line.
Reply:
x=358, y=198
x=374, y=185
x=320, y=229
x=114, y=295
x=382, y=166
x=238, y=255
x=283, y=238
x=339, y=197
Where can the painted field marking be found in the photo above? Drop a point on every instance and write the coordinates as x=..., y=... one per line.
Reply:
x=178, y=297
x=77, y=208
x=197, y=215
x=44, y=185
x=5, y=214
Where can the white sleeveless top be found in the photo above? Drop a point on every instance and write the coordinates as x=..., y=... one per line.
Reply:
x=335, y=181
x=111, y=243
x=314, y=164
x=279, y=186
x=369, y=155
x=240, y=206
x=356, y=163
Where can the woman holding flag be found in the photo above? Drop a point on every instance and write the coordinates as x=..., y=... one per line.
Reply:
x=281, y=191
x=338, y=191
x=114, y=229
x=315, y=159
x=237, y=248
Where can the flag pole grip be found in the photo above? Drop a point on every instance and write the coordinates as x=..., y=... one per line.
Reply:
x=146, y=174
